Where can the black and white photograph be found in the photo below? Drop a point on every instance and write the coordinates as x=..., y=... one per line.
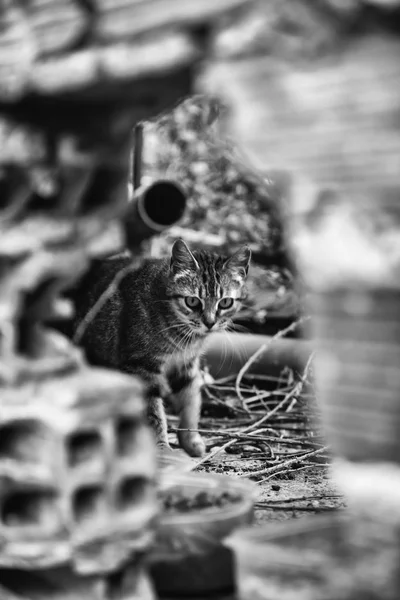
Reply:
x=199, y=299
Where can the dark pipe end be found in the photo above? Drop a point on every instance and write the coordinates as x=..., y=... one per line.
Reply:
x=158, y=207
x=162, y=205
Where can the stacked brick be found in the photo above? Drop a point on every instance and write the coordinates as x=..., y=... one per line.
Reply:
x=77, y=461
x=77, y=471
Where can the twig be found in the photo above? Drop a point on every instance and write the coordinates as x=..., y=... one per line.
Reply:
x=285, y=472
x=286, y=463
x=250, y=376
x=228, y=388
x=213, y=453
x=261, y=351
x=291, y=405
x=257, y=377
x=293, y=452
x=301, y=508
x=246, y=366
x=317, y=465
x=251, y=437
x=222, y=403
x=298, y=499
x=265, y=394
x=225, y=379
x=260, y=397
x=295, y=391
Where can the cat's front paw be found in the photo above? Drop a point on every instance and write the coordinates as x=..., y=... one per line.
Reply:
x=192, y=443
x=163, y=446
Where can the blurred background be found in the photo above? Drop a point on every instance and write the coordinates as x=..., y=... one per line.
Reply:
x=268, y=122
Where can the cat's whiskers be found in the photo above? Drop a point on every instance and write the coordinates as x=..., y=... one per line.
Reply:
x=238, y=327
x=189, y=340
x=174, y=326
x=181, y=331
x=225, y=351
x=239, y=347
x=227, y=338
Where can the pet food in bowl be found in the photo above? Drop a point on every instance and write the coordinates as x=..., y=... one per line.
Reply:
x=198, y=511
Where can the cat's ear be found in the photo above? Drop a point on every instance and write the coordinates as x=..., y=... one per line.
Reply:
x=182, y=259
x=240, y=261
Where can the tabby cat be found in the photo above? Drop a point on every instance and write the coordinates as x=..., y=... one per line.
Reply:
x=156, y=322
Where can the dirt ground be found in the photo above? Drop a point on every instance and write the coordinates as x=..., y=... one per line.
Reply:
x=310, y=491
x=300, y=490
x=265, y=429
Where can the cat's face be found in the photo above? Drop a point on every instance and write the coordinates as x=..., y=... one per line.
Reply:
x=206, y=290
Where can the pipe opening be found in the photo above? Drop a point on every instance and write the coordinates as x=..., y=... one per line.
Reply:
x=162, y=205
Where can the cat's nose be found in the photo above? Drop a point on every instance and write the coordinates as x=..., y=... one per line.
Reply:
x=209, y=323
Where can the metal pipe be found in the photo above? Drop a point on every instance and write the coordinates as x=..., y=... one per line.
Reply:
x=137, y=156
x=225, y=356
x=153, y=209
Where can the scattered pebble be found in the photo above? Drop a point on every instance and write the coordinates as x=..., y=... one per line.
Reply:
x=176, y=501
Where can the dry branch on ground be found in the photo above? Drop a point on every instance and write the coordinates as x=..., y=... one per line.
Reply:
x=272, y=437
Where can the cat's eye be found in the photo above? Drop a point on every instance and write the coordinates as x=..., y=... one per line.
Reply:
x=225, y=303
x=192, y=302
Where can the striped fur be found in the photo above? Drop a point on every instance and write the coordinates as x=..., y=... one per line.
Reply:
x=148, y=329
